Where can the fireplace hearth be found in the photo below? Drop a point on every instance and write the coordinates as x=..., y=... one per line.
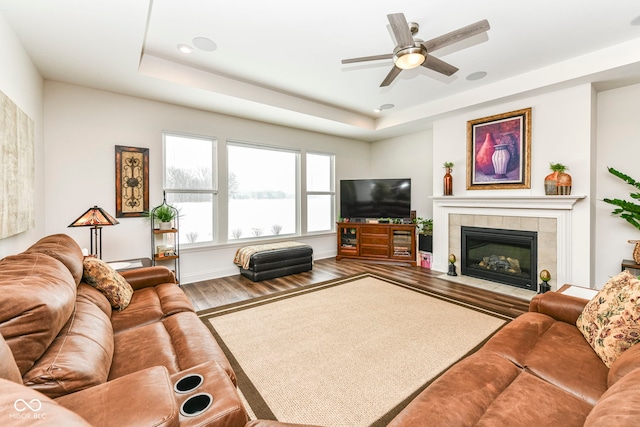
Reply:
x=499, y=255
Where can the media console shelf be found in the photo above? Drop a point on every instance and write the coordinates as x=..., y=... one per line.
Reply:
x=388, y=242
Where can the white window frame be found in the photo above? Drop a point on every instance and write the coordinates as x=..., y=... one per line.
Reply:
x=331, y=192
x=298, y=193
x=214, y=181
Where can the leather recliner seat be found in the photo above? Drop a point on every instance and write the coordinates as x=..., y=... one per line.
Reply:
x=61, y=338
x=538, y=370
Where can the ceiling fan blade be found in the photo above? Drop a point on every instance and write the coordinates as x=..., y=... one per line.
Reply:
x=456, y=36
x=391, y=76
x=400, y=29
x=439, y=65
x=368, y=58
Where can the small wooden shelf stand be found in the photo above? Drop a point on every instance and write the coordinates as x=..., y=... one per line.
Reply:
x=159, y=236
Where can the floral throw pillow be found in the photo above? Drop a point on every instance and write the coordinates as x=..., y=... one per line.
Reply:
x=101, y=276
x=611, y=320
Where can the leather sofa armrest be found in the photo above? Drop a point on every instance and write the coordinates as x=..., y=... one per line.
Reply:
x=143, y=398
x=23, y=406
x=148, y=276
x=565, y=308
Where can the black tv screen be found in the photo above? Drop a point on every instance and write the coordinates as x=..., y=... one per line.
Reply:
x=375, y=198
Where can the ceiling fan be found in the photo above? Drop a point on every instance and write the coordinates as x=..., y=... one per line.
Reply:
x=412, y=52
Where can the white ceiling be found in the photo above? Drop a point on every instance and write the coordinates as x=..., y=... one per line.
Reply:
x=279, y=61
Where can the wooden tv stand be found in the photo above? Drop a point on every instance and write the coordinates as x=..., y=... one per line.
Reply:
x=379, y=242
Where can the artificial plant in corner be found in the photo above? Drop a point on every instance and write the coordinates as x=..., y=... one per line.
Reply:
x=630, y=211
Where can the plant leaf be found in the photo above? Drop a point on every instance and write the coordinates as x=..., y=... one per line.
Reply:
x=628, y=211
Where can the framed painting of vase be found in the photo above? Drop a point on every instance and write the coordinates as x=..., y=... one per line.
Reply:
x=499, y=151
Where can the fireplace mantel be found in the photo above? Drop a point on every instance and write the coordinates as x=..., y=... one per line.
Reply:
x=509, y=202
x=559, y=208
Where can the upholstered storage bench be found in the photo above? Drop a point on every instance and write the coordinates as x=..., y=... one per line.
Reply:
x=261, y=262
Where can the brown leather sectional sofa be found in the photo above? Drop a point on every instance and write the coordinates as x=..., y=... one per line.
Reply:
x=536, y=371
x=86, y=364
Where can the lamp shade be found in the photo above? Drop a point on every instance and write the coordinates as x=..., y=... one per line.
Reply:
x=93, y=217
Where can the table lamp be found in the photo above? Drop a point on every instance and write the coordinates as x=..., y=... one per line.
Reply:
x=96, y=218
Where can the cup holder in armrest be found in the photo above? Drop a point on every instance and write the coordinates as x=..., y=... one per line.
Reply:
x=188, y=383
x=196, y=404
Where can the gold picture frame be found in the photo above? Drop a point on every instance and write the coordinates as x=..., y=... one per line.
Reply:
x=132, y=181
x=499, y=151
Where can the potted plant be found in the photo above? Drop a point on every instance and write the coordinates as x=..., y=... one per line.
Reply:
x=558, y=182
x=630, y=211
x=425, y=234
x=164, y=214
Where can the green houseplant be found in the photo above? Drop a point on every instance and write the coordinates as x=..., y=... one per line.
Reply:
x=164, y=214
x=425, y=226
x=627, y=210
x=425, y=234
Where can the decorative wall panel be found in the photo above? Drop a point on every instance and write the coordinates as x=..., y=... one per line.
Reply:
x=17, y=174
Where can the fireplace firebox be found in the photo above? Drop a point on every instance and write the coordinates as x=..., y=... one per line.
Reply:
x=504, y=256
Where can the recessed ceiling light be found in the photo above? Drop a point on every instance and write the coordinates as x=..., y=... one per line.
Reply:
x=635, y=21
x=185, y=48
x=477, y=75
x=204, y=43
x=383, y=107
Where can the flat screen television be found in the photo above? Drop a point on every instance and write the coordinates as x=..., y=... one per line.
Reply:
x=375, y=198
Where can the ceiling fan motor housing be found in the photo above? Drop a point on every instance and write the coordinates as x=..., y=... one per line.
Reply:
x=414, y=27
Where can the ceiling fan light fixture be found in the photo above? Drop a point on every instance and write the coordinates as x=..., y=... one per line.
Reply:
x=409, y=57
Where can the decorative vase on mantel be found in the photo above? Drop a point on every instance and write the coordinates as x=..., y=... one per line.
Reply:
x=447, y=180
x=557, y=183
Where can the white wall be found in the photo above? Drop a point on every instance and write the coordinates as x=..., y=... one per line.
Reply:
x=21, y=82
x=560, y=133
x=575, y=126
x=618, y=147
x=408, y=156
x=82, y=127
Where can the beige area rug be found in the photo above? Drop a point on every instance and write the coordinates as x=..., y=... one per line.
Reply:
x=350, y=352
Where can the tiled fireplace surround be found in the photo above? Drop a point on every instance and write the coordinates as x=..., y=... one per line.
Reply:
x=549, y=216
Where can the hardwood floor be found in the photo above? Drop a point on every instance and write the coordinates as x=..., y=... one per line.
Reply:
x=226, y=290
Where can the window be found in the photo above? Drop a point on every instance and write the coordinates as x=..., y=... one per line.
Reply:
x=189, y=184
x=320, y=192
x=262, y=191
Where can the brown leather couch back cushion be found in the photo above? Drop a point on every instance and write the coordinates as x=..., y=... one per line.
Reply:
x=64, y=249
x=37, y=297
x=81, y=355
